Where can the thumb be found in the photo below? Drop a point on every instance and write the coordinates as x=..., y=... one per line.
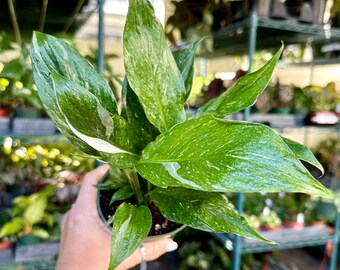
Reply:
x=153, y=250
x=88, y=191
x=156, y=248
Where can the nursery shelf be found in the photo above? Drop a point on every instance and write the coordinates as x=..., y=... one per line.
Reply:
x=245, y=37
x=286, y=238
x=48, y=265
x=57, y=138
x=233, y=38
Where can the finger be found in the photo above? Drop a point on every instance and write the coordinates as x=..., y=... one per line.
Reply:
x=155, y=249
x=88, y=191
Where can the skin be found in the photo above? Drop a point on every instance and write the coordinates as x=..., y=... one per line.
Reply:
x=85, y=242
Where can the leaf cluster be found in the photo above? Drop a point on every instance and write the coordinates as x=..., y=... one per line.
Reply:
x=17, y=86
x=30, y=215
x=182, y=165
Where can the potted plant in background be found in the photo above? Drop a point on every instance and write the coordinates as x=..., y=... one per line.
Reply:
x=5, y=106
x=160, y=158
x=4, y=241
x=270, y=220
x=19, y=95
x=6, y=244
x=29, y=218
x=317, y=103
x=5, y=94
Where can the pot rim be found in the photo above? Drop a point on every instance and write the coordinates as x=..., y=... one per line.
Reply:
x=149, y=238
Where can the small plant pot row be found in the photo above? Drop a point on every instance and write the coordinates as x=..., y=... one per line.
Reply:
x=43, y=251
x=292, y=225
x=27, y=126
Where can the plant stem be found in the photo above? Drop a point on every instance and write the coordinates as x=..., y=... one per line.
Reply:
x=149, y=186
x=14, y=22
x=134, y=182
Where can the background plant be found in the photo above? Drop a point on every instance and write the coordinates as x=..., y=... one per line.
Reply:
x=181, y=165
x=30, y=215
x=23, y=161
x=316, y=98
x=17, y=86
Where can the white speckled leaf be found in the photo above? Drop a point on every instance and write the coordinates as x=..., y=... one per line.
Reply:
x=206, y=211
x=216, y=155
x=243, y=93
x=185, y=62
x=44, y=62
x=143, y=131
x=131, y=225
x=150, y=67
x=53, y=55
x=303, y=153
x=90, y=122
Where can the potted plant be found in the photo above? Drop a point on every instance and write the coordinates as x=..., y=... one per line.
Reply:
x=18, y=95
x=5, y=106
x=160, y=158
x=29, y=218
x=270, y=220
x=5, y=242
x=318, y=103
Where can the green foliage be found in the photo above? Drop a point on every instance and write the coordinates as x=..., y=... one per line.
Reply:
x=25, y=162
x=134, y=221
x=270, y=219
x=17, y=86
x=201, y=251
x=29, y=216
x=177, y=163
x=316, y=98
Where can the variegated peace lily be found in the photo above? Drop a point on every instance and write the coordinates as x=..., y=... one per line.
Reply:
x=188, y=162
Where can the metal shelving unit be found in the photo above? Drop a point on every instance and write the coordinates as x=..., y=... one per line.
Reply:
x=247, y=36
x=286, y=238
x=269, y=33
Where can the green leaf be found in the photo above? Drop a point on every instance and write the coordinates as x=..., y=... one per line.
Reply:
x=48, y=191
x=211, y=154
x=206, y=211
x=131, y=225
x=123, y=193
x=106, y=133
x=49, y=219
x=120, y=160
x=54, y=55
x=12, y=227
x=48, y=55
x=35, y=212
x=41, y=233
x=115, y=179
x=21, y=201
x=303, y=153
x=143, y=131
x=150, y=67
x=14, y=69
x=243, y=93
x=185, y=63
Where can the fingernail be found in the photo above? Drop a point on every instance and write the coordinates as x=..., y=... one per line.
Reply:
x=171, y=246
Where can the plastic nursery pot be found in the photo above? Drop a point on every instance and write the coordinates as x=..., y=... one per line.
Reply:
x=294, y=225
x=5, y=112
x=31, y=113
x=271, y=228
x=5, y=244
x=29, y=240
x=176, y=227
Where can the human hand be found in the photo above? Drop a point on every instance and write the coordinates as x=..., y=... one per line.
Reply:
x=86, y=242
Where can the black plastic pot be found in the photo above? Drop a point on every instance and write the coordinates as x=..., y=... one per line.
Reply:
x=149, y=238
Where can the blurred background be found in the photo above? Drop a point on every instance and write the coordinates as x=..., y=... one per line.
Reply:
x=40, y=170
